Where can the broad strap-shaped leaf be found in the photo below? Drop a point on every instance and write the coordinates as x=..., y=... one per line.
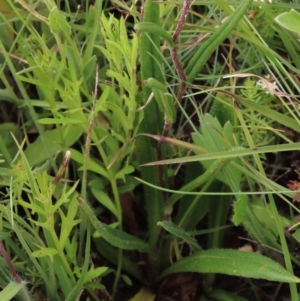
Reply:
x=113, y=236
x=232, y=262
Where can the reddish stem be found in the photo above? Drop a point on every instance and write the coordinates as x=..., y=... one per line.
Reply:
x=9, y=264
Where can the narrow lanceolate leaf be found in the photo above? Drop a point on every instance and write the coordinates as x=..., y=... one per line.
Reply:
x=11, y=290
x=179, y=232
x=232, y=262
x=209, y=46
x=150, y=27
x=113, y=236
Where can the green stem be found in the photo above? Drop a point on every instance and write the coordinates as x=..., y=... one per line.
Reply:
x=152, y=123
x=119, y=211
x=114, y=187
x=55, y=240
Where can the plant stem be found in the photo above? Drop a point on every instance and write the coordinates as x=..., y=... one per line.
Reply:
x=152, y=123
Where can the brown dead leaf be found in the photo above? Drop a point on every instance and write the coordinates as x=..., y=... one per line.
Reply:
x=294, y=185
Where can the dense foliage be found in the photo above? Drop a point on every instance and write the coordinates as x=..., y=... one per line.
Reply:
x=149, y=151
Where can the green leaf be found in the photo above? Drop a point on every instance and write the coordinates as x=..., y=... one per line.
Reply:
x=11, y=290
x=179, y=232
x=127, y=280
x=4, y=235
x=125, y=171
x=206, y=49
x=94, y=273
x=118, y=112
x=217, y=138
x=231, y=153
x=44, y=252
x=64, y=121
x=150, y=27
x=68, y=222
x=232, y=262
x=61, y=138
x=284, y=118
x=92, y=165
x=239, y=209
x=113, y=236
x=7, y=145
x=296, y=235
x=222, y=108
x=105, y=200
x=265, y=215
x=289, y=20
x=58, y=22
x=89, y=68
